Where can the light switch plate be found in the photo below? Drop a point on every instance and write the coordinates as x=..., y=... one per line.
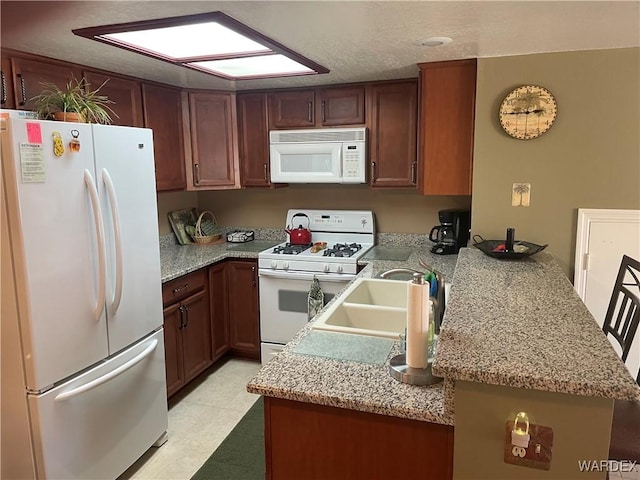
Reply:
x=538, y=454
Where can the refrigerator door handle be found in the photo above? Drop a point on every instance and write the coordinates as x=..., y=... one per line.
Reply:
x=97, y=218
x=117, y=233
x=112, y=374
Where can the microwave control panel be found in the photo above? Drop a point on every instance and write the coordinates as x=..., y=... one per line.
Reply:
x=353, y=164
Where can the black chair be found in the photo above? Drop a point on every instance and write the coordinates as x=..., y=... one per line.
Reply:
x=621, y=322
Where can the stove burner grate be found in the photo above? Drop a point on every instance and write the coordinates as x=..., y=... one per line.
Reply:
x=342, y=250
x=290, y=249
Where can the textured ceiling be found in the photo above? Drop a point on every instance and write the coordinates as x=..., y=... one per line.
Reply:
x=356, y=40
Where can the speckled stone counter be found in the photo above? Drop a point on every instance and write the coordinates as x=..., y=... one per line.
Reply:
x=359, y=386
x=521, y=324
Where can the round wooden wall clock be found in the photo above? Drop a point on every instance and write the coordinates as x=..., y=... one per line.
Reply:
x=528, y=111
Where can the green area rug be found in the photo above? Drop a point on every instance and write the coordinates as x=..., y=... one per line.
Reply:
x=241, y=455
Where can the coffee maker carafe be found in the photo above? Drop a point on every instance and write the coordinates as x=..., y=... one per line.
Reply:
x=453, y=232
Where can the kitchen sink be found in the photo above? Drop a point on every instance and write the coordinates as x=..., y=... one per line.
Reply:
x=369, y=306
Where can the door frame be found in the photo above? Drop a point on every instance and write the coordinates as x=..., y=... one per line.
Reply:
x=587, y=217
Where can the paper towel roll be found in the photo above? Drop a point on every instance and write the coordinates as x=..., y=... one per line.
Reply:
x=418, y=308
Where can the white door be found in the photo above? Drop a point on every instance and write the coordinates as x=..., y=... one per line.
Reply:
x=126, y=182
x=101, y=422
x=603, y=237
x=53, y=207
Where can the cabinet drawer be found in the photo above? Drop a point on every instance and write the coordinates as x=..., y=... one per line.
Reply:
x=181, y=287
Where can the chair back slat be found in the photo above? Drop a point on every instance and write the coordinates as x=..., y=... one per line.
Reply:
x=623, y=313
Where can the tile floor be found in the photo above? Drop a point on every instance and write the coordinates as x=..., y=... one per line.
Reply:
x=200, y=417
x=203, y=414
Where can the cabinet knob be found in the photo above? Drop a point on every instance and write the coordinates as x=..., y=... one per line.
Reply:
x=179, y=289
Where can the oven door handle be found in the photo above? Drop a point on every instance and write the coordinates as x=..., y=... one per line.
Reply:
x=322, y=277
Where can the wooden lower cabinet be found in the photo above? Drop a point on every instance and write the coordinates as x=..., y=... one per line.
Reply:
x=187, y=330
x=304, y=440
x=244, y=323
x=218, y=300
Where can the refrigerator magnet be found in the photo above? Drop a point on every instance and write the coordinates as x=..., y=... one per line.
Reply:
x=58, y=146
x=74, y=144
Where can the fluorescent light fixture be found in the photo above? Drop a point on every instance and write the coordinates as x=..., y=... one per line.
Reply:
x=213, y=43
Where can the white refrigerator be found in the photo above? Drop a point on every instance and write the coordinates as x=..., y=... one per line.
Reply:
x=82, y=355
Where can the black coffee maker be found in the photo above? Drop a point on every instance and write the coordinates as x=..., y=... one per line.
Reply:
x=453, y=232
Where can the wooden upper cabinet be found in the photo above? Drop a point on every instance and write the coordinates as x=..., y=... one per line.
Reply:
x=125, y=95
x=341, y=106
x=330, y=106
x=29, y=74
x=292, y=109
x=393, y=114
x=447, y=113
x=214, y=153
x=6, y=94
x=163, y=115
x=253, y=139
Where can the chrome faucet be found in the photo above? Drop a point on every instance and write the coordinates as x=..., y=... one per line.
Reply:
x=438, y=301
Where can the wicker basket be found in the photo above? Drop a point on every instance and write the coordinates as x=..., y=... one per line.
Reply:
x=207, y=231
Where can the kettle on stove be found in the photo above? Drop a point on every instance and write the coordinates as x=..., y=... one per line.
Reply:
x=300, y=235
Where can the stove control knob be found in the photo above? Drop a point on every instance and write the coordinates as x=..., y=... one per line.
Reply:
x=339, y=269
x=285, y=265
x=274, y=264
x=326, y=268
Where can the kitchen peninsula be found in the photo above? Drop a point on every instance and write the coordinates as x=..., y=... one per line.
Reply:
x=515, y=337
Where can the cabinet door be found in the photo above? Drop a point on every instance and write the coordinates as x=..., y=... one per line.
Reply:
x=341, y=106
x=447, y=112
x=173, y=348
x=292, y=109
x=196, y=334
x=6, y=94
x=125, y=95
x=163, y=115
x=244, y=320
x=29, y=74
x=219, y=310
x=213, y=138
x=253, y=136
x=394, y=108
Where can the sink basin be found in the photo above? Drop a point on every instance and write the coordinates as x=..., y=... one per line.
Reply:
x=369, y=306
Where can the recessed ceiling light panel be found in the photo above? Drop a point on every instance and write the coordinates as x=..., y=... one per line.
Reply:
x=213, y=43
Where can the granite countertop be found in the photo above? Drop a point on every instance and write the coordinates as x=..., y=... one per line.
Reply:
x=521, y=324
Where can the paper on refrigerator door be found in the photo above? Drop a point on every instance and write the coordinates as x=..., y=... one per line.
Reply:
x=32, y=168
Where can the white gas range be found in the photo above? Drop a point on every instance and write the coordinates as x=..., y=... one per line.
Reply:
x=339, y=238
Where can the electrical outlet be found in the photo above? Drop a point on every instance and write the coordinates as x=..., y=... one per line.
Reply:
x=537, y=454
x=521, y=195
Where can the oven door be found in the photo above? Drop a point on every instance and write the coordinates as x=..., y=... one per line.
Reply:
x=283, y=301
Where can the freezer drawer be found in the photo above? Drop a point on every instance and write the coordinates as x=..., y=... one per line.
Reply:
x=98, y=424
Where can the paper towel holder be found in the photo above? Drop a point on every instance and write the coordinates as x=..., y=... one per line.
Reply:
x=402, y=372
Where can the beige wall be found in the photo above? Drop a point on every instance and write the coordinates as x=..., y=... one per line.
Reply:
x=589, y=159
x=482, y=412
x=395, y=210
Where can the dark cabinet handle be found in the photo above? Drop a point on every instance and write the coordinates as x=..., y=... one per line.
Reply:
x=179, y=289
x=373, y=172
x=266, y=180
x=196, y=173
x=413, y=172
x=4, y=87
x=185, y=324
x=323, y=115
x=253, y=281
x=23, y=93
x=181, y=310
x=309, y=108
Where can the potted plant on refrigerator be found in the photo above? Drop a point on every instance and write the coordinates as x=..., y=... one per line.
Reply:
x=76, y=102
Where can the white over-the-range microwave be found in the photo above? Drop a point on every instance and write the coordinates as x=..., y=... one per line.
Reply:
x=336, y=155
